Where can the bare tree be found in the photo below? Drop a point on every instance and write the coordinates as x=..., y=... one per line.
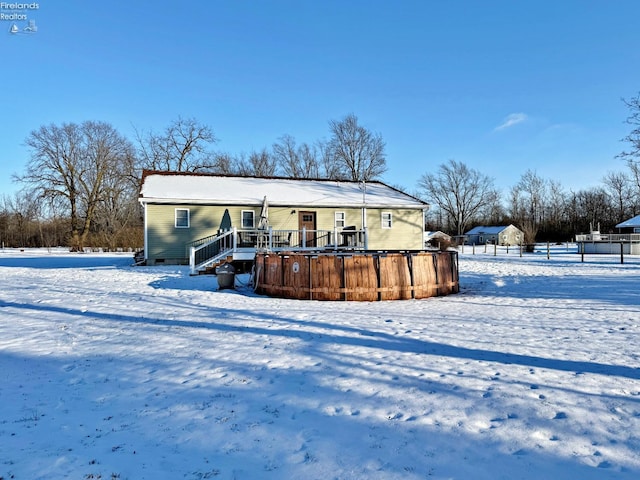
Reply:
x=633, y=139
x=309, y=159
x=359, y=152
x=619, y=188
x=296, y=161
x=632, y=155
x=223, y=163
x=258, y=164
x=327, y=164
x=182, y=147
x=73, y=162
x=556, y=211
x=459, y=191
x=285, y=153
x=5, y=222
x=118, y=215
x=19, y=225
x=594, y=209
x=528, y=199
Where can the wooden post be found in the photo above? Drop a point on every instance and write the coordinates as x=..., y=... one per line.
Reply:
x=344, y=278
x=582, y=252
x=310, y=277
x=495, y=249
x=548, y=251
x=434, y=259
x=411, y=280
x=621, y=252
x=473, y=249
x=376, y=266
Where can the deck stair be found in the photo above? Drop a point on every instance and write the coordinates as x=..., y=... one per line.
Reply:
x=209, y=252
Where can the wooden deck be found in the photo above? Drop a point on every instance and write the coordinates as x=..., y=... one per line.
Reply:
x=242, y=245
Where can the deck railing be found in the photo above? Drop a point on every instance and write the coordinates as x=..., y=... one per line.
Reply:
x=207, y=251
x=609, y=237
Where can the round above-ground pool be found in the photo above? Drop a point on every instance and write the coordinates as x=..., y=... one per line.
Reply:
x=358, y=276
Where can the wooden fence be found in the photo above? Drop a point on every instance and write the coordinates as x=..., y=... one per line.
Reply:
x=366, y=276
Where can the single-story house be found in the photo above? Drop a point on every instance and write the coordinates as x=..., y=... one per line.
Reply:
x=630, y=226
x=497, y=235
x=184, y=210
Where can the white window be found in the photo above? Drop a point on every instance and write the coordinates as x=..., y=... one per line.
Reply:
x=182, y=218
x=339, y=220
x=248, y=219
x=386, y=219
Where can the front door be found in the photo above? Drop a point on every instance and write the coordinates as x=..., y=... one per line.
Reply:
x=307, y=220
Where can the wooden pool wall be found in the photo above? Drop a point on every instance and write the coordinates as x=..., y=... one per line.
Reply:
x=358, y=276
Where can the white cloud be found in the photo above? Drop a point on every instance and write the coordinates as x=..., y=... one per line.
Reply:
x=511, y=120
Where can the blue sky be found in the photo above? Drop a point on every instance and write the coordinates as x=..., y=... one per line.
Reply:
x=503, y=86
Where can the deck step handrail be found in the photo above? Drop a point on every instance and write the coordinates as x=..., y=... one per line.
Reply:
x=208, y=252
x=207, y=239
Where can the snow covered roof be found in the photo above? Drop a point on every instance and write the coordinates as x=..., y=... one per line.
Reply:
x=175, y=187
x=632, y=222
x=486, y=230
x=436, y=234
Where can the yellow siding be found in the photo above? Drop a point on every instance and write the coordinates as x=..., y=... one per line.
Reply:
x=405, y=232
x=165, y=241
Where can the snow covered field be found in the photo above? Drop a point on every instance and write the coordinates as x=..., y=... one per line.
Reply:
x=109, y=371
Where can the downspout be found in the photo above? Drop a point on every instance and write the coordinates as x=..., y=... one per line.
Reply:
x=364, y=215
x=146, y=235
x=424, y=227
x=364, y=227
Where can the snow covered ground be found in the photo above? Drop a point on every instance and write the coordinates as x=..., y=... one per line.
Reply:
x=109, y=371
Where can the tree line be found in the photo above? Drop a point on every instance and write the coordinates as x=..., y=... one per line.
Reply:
x=462, y=197
x=81, y=183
